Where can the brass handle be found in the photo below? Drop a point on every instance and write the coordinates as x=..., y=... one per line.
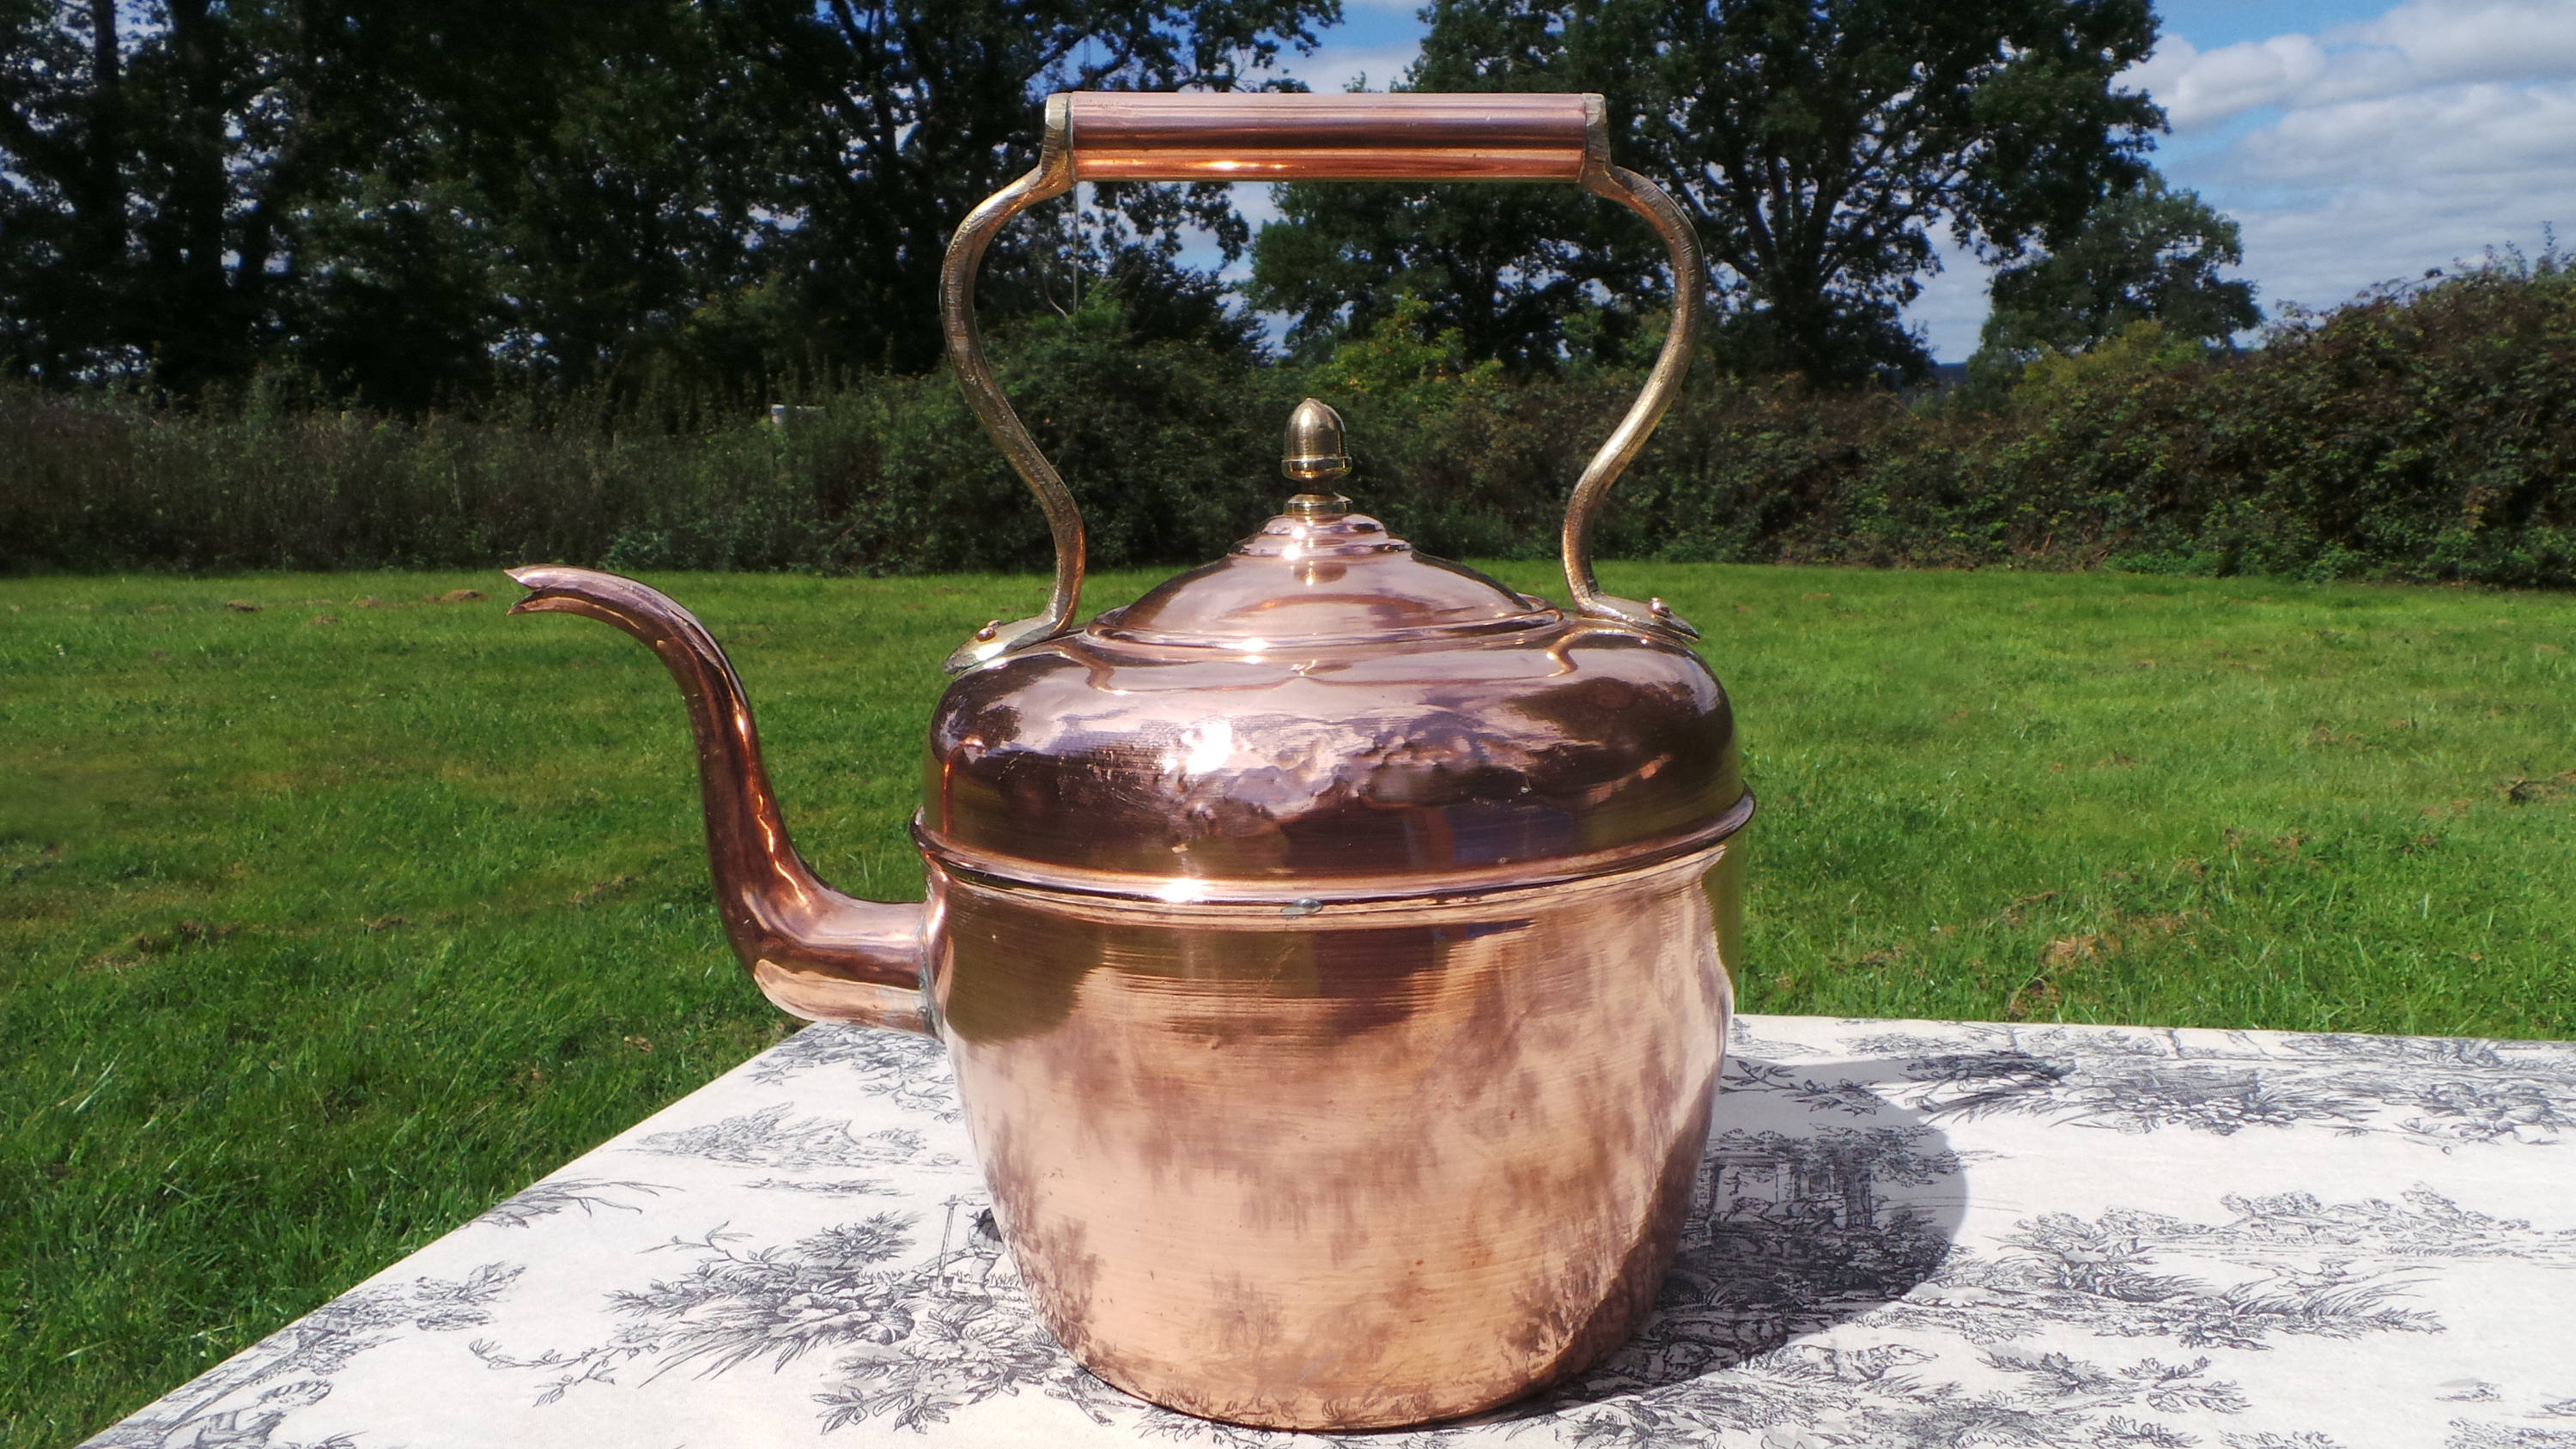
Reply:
x=1121, y=136
x=1131, y=136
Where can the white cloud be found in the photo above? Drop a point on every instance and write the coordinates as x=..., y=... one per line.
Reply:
x=2365, y=191
x=2460, y=40
x=2199, y=87
x=2476, y=139
x=2369, y=152
x=2414, y=45
x=2348, y=155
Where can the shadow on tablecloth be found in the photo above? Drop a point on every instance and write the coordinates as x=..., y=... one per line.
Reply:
x=1819, y=1200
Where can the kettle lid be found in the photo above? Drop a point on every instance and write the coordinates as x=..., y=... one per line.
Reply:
x=1323, y=715
x=1320, y=576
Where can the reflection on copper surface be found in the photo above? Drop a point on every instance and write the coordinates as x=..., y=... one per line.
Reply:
x=1336, y=1020
x=1137, y=136
x=1249, y=123
x=1333, y=944
x=1319, y=164
x=1406, y=725
x=1343, y=1168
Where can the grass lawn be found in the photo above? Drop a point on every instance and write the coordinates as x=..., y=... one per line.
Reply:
x=324, y=926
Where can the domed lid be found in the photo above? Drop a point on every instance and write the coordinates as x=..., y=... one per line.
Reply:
x=1320, y=575
x=1326, y=715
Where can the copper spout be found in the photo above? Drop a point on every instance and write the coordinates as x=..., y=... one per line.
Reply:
x=813, y=951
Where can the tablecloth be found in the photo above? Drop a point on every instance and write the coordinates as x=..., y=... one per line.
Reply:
x=1904, y=1234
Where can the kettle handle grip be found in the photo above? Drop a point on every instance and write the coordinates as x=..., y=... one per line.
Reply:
x=1106, y=136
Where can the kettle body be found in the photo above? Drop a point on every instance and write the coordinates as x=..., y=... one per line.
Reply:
x=1378, y=1165
x=1333, y=945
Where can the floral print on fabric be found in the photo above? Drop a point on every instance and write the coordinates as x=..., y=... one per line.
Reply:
x=1902, y=1234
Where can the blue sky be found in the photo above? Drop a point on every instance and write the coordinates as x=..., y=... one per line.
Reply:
x=2354, y=141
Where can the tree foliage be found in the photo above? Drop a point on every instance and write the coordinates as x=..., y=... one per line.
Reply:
x=894, y=120
x=404, y=201
x=2148, y=255
x=1817, y=144
x=1506, y=267
x=197, y=186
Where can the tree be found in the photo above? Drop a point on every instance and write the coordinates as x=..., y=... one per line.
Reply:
x=407, y=200
x=898, y=118
x=187, y=188
x=2148, y=255
x=1506, y=267
x=1817, y=143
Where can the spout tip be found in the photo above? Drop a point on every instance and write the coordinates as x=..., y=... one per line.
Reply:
x=561, y=588
x=555, y=576
x=531, y=578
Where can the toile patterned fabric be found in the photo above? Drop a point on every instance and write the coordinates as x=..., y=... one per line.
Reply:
x=1907, y=1234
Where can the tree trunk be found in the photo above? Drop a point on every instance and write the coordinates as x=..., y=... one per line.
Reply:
x=102, y=205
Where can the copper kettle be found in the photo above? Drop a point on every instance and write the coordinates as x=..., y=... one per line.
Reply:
x=1332, y=944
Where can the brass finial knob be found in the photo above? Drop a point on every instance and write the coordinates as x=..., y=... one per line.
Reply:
x=1312, y=451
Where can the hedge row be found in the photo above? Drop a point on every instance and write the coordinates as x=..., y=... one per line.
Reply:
x=2424, y=437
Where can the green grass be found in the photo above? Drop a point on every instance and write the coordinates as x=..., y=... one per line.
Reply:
x=318, y=937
